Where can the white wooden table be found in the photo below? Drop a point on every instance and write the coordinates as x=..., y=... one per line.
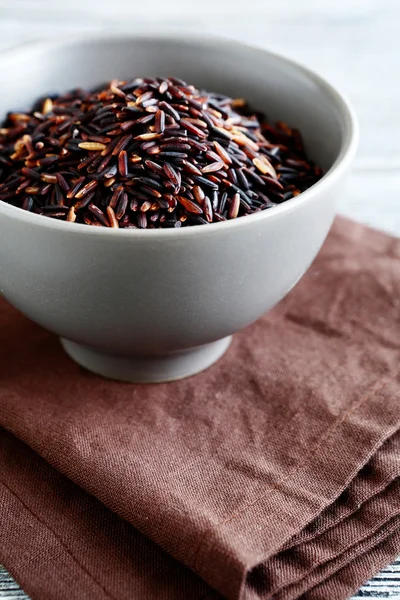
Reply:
x=354, y=43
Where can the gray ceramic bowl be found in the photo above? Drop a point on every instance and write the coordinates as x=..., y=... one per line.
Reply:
x=158, y=305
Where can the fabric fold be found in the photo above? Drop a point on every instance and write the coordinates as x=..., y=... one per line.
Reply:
x=225, y=469
x=343, y=582
x=300, y=565
x=377, y=474
x=323, y=572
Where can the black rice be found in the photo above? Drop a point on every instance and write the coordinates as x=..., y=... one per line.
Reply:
x=146, y=154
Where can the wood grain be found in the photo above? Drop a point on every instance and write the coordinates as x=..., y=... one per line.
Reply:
x=353, y=43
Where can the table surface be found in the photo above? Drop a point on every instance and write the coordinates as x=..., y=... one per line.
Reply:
x=353, y=43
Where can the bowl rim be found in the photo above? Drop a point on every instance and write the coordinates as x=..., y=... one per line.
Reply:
x=342, y=161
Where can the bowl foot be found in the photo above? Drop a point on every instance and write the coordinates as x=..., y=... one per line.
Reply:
x=151, y=369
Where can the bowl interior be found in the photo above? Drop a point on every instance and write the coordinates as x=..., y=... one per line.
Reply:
x=273, y=85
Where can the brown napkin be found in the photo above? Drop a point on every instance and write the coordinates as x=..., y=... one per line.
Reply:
x=275, y=472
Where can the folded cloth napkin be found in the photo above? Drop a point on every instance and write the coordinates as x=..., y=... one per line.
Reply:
x=273, y=474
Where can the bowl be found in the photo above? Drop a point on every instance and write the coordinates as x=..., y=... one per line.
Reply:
x=158, y=305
